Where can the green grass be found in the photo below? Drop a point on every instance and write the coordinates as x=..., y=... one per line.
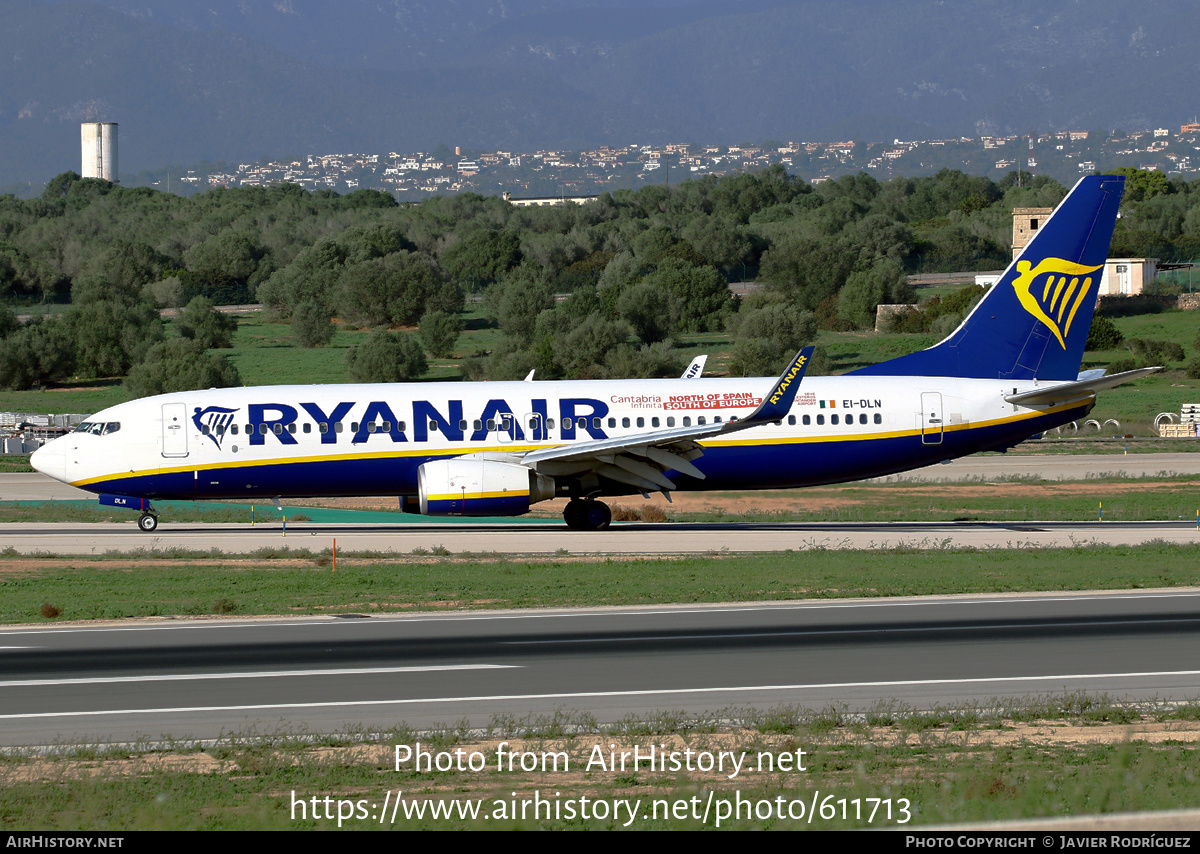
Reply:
x=303, y=583
x=936, y=766
x=265, y=354
x=15, y=464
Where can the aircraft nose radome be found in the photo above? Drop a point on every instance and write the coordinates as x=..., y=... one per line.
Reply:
x=50, y=460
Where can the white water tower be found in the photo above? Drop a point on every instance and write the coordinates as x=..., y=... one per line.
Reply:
x=98, y=141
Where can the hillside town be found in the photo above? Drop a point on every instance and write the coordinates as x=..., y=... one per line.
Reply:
x=1063, y=155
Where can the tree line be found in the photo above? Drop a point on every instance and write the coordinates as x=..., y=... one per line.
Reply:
x=595, y=290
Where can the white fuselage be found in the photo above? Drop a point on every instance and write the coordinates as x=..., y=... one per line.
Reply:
x=326, y=440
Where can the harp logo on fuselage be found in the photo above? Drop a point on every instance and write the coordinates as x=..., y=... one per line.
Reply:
x=212, y=421
x=1053, y=291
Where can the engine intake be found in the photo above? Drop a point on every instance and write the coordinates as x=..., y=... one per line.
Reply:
x=480, y=487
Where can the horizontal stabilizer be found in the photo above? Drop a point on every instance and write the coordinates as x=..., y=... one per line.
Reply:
x=1075, y=390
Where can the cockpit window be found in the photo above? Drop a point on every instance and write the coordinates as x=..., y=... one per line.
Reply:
x=98, y=428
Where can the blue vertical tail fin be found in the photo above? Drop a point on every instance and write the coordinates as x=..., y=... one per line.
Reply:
x=1034, y=322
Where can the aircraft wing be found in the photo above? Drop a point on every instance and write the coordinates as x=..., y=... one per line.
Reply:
x=1075, y=390
x=643, y=459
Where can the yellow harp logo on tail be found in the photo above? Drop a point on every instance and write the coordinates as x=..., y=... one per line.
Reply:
x=1053, y=291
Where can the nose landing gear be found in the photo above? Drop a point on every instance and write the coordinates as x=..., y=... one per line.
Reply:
x=148, y=522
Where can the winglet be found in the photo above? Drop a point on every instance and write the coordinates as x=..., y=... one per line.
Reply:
x=778, y=401
x=696, y=368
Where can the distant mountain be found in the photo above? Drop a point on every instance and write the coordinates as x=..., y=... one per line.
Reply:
x=239, y=80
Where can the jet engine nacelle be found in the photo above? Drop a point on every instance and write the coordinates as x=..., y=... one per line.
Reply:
x=480, y=487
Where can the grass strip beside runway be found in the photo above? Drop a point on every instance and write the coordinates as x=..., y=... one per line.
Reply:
x=42, y=590
x=1064, y=756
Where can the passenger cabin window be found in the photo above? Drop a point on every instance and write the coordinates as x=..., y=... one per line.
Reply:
x=833, y=419
x=878, y=418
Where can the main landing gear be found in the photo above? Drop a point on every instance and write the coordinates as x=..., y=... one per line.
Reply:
x=586, y=514
x=148, y=522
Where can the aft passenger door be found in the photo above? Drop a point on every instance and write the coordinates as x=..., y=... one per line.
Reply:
x=174, y=430
x=931, y=418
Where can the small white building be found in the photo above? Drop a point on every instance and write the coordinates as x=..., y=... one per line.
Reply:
x=1127, y=276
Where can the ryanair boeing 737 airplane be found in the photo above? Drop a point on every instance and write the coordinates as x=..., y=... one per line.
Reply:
x=1010, y=371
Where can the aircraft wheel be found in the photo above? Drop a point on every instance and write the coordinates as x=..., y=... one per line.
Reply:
x=148, y=522
x=573, y=514
x=596, y=516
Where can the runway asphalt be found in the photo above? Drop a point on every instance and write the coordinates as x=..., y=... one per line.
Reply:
x=185, y=679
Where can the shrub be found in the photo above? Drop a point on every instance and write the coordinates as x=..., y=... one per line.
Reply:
x=208, y=327
x=439, y=332
x=386, y=357
x=1152, y=351
x=179, y=364
x=312, y=325
x=1103, y=334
